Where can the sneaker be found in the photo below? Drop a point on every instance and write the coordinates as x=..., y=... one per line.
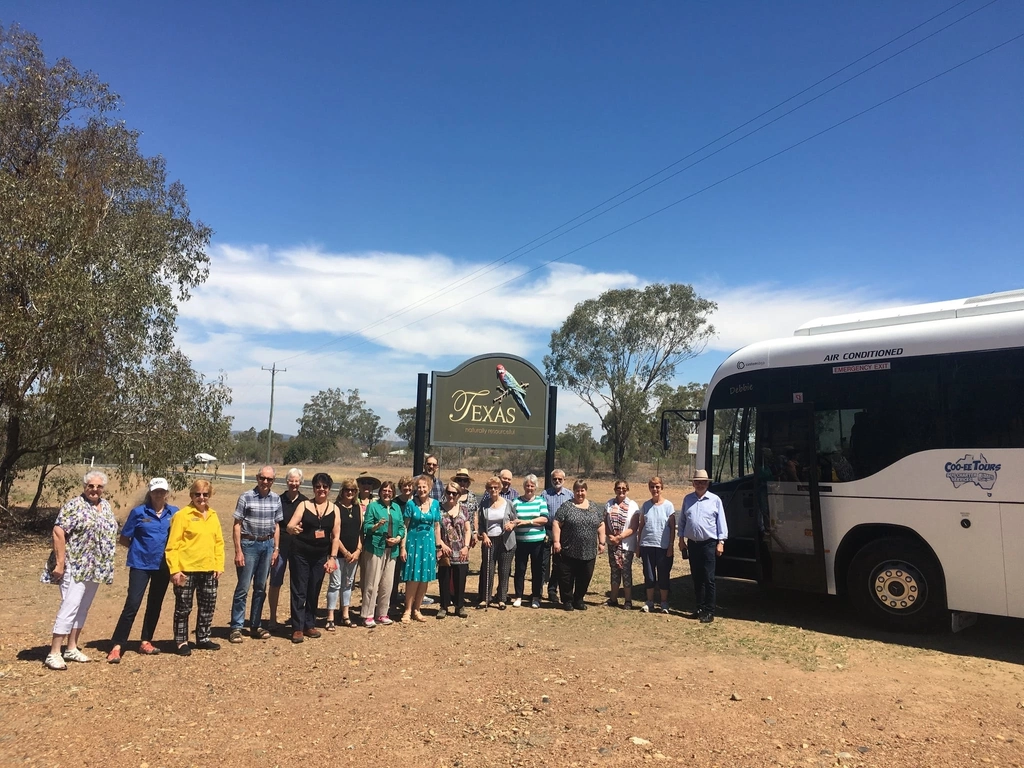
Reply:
x=184, y=649
x=428, y=600
x=74, y=654
x=462, y=613
x=54, y=661
x=552, y=597
x=235, y=636
x=648, y=607
x=114, y=657
x=208, y=645
x=442, y=613
x=664, y=607
x=567, y=607
x=384, y=620
x=535, y=603
x=707, y=618
x=146, y=648
x=369, y=623
x=517, y=603
x=580, y=606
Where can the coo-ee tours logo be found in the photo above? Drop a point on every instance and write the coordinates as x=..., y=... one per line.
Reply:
x=979, y=471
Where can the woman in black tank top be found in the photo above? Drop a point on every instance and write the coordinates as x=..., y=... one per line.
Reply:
x=339, y=588
x=316, y=526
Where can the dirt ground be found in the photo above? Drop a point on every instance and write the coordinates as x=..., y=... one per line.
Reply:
x=778, y=679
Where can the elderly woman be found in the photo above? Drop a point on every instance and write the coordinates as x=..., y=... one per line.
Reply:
x=531, y=532
x=621, y=518
x=656, y=534
x=496, y=527
x=290, y=499
x=145, y=534
x=383, y=540
x=452, y=569
x=316, y=530
x=349, y=550
x=423, y=546
x=579, y=536
x=403, y=495
x=84, y=539
x=195, y=559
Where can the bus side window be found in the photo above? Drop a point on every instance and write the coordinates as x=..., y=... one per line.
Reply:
x=837, y=431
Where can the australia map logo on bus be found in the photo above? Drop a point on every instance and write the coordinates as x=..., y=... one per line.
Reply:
x=971, y=470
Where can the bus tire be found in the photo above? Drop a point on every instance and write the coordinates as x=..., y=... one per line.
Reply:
x=896, y=584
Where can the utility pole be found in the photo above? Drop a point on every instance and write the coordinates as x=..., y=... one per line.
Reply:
x=274, y=370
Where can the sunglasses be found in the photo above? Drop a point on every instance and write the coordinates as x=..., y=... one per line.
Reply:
x=349, y=490
x=200, y=495
x=95, y=487
x=453, y=493
x=263, y=479
x=321, y=487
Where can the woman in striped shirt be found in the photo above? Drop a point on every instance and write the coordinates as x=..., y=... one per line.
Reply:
x=532, y=512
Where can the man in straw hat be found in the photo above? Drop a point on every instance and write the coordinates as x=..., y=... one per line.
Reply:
x=702, y=535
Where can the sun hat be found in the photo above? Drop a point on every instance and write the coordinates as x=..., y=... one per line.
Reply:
x=700, y=474
x=462, y=473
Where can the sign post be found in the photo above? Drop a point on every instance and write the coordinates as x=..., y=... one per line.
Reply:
x=490, y=401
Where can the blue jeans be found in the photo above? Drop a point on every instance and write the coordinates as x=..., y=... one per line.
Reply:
x=255, y=571
x=340, y=584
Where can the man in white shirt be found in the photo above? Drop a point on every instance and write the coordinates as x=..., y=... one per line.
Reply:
x=702, y=534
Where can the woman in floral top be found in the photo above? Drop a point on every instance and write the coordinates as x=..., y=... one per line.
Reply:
x=84, y=538
x=452, y=569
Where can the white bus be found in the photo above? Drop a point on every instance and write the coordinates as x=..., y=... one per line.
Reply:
x=880, y=456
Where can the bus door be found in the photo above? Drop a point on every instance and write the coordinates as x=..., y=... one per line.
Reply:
x=786, y=467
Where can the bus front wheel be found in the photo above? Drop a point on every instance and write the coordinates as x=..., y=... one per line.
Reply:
x=895, y=583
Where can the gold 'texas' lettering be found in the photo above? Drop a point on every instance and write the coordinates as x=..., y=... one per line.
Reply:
x=462, y=403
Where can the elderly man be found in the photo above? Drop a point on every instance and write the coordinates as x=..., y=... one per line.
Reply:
x=290, y=499
x=702, y=534
x=430, y=468
x=554, y=497
x=256, y=535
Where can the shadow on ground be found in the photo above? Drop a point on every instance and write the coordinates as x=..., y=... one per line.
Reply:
x=993, y=637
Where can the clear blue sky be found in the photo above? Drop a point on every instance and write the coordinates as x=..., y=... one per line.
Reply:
x=354, y=157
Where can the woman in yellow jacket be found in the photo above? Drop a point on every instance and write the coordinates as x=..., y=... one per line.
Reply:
x=195, y=558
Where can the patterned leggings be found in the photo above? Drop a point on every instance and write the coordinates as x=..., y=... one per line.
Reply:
x=624, y=574
x=203, y=583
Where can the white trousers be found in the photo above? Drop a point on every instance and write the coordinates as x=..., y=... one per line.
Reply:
x=75, y=599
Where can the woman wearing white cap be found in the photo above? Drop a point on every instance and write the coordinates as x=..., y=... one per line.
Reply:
x=145, y=534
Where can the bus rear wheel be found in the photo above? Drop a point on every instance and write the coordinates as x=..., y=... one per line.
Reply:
x=896, y=584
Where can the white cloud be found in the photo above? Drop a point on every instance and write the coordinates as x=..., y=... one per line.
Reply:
x=749, y=313
x=327, y=318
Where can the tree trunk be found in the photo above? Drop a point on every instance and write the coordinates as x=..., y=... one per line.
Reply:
x=8, y=474
x=44, y=470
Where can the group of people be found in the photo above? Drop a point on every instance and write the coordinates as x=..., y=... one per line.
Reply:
x=415, y=531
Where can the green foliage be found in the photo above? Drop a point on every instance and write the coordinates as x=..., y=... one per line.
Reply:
x=613, y=350
x=96, y=249
x=577, y=449
x=330, y=416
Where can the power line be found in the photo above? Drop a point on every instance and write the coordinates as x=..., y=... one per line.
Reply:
x=700, y=191
x=526, y=247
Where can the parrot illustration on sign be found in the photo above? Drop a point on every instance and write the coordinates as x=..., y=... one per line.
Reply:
x=509, y=386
